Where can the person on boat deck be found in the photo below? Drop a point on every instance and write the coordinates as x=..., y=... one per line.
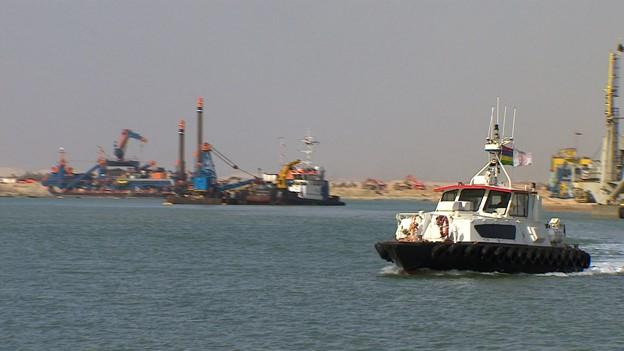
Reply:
x=496, y=203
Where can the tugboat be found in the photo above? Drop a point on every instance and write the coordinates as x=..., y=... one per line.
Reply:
x=486, y=225
x=297, y=183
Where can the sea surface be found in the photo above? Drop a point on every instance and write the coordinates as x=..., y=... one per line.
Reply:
x=132, y=274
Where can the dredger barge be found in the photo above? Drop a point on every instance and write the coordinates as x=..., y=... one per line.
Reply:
x=297, y=183
x=110, y=177
x=486, y=225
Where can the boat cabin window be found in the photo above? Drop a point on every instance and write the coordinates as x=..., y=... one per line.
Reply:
x=497, y=202
x=449, y=195
x=519, y=205
x=473, y=196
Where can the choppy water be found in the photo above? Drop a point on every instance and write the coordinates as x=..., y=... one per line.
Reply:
x=106, y=274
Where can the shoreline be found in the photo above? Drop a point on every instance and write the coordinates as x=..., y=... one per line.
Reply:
x=35, y=190
x=548, y=203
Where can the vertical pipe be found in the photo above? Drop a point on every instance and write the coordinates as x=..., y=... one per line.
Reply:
x=181, y=165
x=200, y=112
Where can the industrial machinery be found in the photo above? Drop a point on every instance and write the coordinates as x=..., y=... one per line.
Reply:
x=61, y=175
x=606, y=188
x=374, y=184
x=409, y=183
x=115, y=177
x=566, y=168
x=204, y=187
x=120, y=146
x=284, y=173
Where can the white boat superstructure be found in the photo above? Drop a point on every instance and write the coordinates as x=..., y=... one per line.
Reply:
x=308, y=182
x=474, y=213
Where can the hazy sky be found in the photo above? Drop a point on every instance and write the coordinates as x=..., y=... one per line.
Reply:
x=389, y=88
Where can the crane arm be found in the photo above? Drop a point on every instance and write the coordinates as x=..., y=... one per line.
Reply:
x=283, y=173
x=79, y=178
x=120, y=147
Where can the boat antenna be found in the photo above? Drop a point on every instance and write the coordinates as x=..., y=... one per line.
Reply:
x=497, y=104
x=513, y=125
x=490, y=126
x=504, y=118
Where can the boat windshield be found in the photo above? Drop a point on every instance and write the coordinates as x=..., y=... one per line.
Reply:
x=449, y=195
x=474, y=196
x=497, y=202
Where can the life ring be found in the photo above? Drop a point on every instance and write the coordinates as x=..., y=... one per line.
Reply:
x=443, y=223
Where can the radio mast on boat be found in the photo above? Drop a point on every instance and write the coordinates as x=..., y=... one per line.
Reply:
x=309, y=143
x=496, y=144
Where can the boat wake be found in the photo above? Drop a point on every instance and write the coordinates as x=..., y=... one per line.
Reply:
x=615, y=267
x=597, y=268
x=394, y=271
x=391, y=270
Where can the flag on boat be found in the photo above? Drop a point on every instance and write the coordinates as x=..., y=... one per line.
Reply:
x=507, y=156
x=514, y=157
x=522, y=158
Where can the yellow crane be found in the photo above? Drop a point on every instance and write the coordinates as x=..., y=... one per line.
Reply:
x=283, y=173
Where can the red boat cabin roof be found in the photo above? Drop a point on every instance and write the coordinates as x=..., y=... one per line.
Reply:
x=475, y=186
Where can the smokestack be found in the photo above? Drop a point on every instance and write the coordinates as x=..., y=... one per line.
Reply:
x=181, y=165
x=200, y=112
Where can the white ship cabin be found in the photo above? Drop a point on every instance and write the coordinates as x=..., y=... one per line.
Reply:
x=308, y=182
x=306, y=173
x=482, y=213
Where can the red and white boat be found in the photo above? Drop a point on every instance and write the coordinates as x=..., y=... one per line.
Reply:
x=486, y=225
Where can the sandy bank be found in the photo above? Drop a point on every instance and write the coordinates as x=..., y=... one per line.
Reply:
x=357, y=193
x=24, y=190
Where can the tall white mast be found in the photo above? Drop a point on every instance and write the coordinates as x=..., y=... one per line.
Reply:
x=491, y=173
x=309, y=143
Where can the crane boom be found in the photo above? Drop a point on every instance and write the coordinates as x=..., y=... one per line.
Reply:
x=281, y=177
x=120, y=146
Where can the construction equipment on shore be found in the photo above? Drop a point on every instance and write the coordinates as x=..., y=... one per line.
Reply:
x=565, y=169
x=409, y=183
x=374, y=184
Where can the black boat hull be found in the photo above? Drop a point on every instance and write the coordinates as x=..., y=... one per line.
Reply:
x=482, y=257
x=192, y=200
x=280, y=197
